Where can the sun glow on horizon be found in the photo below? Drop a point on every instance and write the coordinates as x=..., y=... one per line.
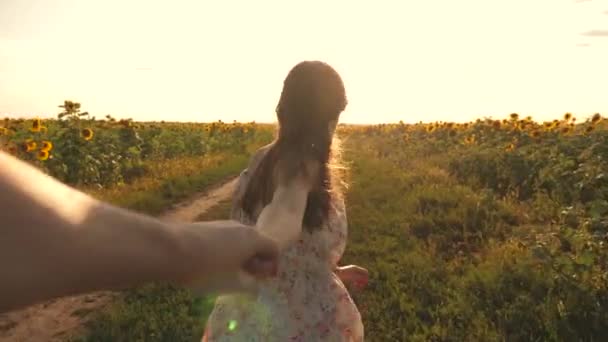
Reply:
x=436, y=60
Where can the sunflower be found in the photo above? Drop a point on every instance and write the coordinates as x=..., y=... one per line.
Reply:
x=46, y=146
x=36, y=125
x=510, y=147
x=87, y=134
x=535, y=134
x=514, y=116
x=30, y=145
x=589, y=129
x=566, y=130
x=567, y=116
x=517, y=127
x=3, y=130
x=596, y=118
x=43, y=155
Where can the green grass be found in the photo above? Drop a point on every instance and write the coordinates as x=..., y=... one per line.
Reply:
x=463, y=242
x=176, y=189
x=454, y=257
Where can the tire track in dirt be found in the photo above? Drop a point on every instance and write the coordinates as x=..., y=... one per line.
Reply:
x=56, y=319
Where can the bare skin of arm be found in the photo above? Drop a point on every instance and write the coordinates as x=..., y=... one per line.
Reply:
x=282, y=217
x=353, y=276
x=58, y=241
x=282, y=220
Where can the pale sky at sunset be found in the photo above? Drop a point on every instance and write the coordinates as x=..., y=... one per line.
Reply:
x=400, y=60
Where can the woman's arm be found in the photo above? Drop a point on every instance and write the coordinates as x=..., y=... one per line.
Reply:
x=58, y=241
x=353, y=276
x=281, y=221
x=282, y=218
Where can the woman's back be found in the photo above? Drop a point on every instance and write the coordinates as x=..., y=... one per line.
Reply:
x=306, y=301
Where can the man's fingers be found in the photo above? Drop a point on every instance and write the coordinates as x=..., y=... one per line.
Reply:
x=264, y=261
x=259, y=267
x=265, y=247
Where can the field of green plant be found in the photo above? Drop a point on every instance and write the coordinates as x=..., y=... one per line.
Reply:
x=493, y=230
x=485, y=231
x=145, y=166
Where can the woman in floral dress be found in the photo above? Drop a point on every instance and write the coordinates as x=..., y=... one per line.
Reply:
x=308, y=300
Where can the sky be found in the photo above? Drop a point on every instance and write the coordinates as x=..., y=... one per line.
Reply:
x=425, y=60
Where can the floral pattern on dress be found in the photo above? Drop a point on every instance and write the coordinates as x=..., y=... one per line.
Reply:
x=305, y=302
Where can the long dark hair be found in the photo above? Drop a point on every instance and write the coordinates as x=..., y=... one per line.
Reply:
x=313, y=96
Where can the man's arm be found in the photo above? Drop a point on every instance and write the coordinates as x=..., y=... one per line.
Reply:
x=58, y=241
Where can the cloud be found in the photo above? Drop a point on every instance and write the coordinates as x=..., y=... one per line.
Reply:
x=595, y=33
x=605, y=12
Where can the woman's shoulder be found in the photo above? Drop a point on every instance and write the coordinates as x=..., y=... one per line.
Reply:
x=262, y=151
x=257, y=157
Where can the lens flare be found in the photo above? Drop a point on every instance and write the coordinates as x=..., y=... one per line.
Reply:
x=232, y=325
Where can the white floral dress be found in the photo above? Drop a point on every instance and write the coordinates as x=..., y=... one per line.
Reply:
x=306, y=302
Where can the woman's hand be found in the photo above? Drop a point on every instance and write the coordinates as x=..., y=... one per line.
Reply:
x=353, y=276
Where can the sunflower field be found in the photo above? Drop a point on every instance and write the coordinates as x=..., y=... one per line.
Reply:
x=491, y=230
x=82, y=150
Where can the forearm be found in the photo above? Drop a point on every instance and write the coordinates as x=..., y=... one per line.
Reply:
x=119, y=249
x=282, y=217
x=343, y=272
x=57, y=241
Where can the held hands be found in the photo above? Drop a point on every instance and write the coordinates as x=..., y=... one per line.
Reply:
x=226, y=256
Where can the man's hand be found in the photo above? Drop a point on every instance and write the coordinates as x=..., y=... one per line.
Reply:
x=58, y=241
x=226, y=256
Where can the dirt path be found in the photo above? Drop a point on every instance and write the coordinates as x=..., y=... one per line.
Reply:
x=188, y=211
x=53, y=320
